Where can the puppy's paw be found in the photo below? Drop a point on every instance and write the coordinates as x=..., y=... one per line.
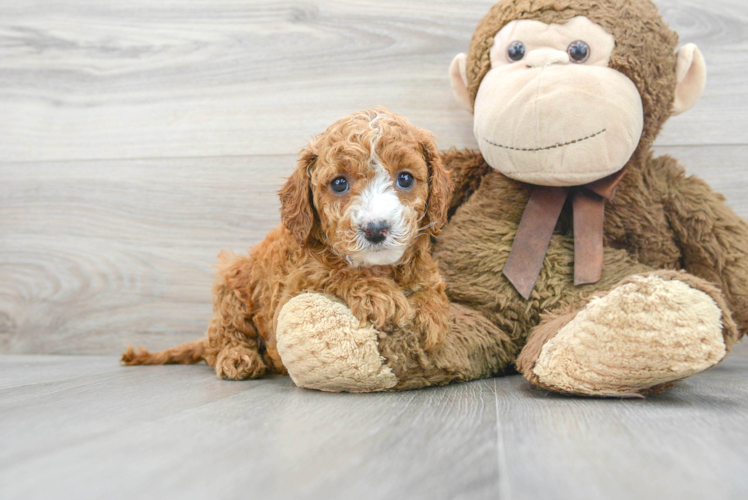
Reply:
x=239, y=363
x=381, y=309
x=324, y=347
x=432, y=327
x=431, y=318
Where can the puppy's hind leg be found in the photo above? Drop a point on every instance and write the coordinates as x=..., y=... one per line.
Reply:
x=232, y=345
x=239, y=362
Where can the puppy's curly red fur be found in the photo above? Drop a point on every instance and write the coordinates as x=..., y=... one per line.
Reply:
x=319, y=248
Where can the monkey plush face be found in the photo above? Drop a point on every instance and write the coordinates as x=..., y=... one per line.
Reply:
x=556, y=103
x=550, y=111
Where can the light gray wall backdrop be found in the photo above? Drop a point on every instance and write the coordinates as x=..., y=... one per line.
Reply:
x=138, y=138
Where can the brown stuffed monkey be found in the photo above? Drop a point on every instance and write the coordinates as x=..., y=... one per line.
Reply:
x=572, y=253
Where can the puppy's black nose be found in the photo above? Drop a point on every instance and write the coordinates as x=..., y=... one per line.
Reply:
x=376, y=232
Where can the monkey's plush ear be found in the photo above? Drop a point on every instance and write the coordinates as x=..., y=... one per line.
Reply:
x=691, y=75
x=440, y=186
x=297, y=212
x=458, y=78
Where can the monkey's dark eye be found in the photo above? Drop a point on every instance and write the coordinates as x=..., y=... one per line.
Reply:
x=339, y=185
x=578, y=51
x=516, y=51
x=405, y=180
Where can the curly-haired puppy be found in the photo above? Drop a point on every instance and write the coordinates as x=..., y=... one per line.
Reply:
x=357, y=216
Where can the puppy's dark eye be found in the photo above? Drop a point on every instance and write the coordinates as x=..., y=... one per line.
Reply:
x=405, y=180
x=339, y=185
x=516, y=51
x=578, y=51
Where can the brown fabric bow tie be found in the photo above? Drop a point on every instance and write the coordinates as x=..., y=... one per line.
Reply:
x=539, y=220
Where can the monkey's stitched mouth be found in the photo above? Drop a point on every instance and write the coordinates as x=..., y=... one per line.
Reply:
x=557, y=145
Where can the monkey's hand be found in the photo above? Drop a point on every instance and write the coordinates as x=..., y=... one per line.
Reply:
x=712, y=238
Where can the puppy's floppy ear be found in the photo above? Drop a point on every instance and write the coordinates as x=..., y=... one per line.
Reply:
x=297, y=212
x=440, y=185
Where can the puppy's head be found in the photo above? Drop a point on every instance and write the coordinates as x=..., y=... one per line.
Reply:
x=367, y=187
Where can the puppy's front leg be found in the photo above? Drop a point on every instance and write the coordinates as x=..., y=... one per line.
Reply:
x=379, y=303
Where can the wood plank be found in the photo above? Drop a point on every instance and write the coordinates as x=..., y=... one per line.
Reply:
x=98, y=254
x=78, y=408
x=145, y=79
x=689, y=443
x=173, y=431
x=94, y=255
x=17, y=371
x=150, y=432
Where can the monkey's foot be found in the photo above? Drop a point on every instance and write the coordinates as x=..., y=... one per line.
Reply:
x=645, y=334
x=324, y=347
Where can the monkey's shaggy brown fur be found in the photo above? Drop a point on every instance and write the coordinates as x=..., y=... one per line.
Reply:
x=310, y=252
x=660, y=219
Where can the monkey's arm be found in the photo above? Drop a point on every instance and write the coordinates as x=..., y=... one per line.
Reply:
x=712, y=238
x=466, y=168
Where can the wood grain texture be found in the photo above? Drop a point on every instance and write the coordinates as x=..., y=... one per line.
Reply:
x=94, y=255
x=689, y=443
x=140, y=138
x=83, y=427
x=140, y=79
x=98, y=254
x=181, y=433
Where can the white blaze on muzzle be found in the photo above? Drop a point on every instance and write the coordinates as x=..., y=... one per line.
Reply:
x=378, y=203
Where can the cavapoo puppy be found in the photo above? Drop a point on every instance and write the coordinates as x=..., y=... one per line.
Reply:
x=357, y=215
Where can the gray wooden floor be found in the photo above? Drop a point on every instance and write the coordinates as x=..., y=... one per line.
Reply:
x=82, y=427
x=138, y=138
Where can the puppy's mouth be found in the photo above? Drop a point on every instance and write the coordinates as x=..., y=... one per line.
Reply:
x=377, y=246
x=378, y=255
x=381, y=244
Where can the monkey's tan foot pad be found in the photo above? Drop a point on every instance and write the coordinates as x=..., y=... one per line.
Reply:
x=324, y=347
x=645, y=333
